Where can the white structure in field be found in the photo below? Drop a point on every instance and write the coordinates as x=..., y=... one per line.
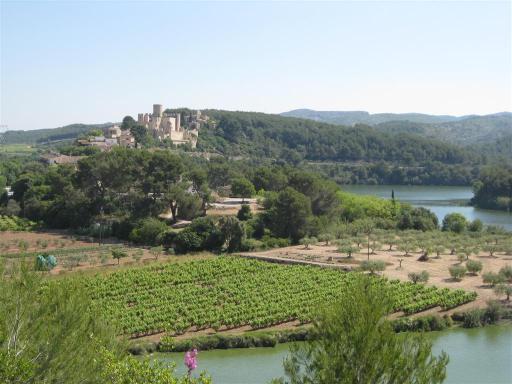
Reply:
x=164, y=125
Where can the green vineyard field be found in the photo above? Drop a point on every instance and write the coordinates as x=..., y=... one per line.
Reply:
x=229, y=292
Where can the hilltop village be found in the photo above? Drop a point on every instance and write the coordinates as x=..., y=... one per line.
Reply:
x=177, y=128
x=160, y=125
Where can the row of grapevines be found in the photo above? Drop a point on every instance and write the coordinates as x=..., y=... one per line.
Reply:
x=229, y=292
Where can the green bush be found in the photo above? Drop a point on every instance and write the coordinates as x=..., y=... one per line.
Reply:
x=187, y=241
x=473, y=318
x=244, y=213
x=148, y=231
x=454, y=222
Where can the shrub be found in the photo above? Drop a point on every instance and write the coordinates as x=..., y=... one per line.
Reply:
x=473, y=318
x=373, y=266
x=167, y=238
x=251, y=245
x=148, y=231
x=187, y=241
x=274, y=242
x=454, y=222
x=493, y=313
x=244, y=213
x=476, y=226
x=419, y=277
x=457, y=271
x=474, y=266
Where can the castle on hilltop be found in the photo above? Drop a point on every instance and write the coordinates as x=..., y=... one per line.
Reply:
x=170, y=125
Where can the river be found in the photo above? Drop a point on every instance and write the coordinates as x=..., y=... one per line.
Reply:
x=477, y=356
x=439, y=199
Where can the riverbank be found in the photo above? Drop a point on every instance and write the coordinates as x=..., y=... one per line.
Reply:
x=495, y=313
x=477, y=356
x=439, y=199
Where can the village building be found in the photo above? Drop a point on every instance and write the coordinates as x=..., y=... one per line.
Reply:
x=114, y=136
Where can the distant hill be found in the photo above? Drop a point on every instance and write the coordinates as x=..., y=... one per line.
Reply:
x=68, y=132
x=247, y=134
x=362, y=117
x=260, y=135
x=464, y=130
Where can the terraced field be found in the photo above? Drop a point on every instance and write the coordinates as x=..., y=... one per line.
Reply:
x=230, y=292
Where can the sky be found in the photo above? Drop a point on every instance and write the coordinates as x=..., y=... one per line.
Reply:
x=93, y=62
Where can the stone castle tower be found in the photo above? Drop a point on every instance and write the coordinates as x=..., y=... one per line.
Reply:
x=168, y=126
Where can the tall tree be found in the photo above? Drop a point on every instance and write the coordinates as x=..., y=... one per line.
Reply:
x=352, y=342
x=289, y=214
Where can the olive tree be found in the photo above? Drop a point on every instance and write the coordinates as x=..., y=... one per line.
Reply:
x=457, y=272
x=373, y=266
x=491, y=278
x=474, y=266
x=503, y=289
x=307, y=241
x=118, y=254
x=419, y=277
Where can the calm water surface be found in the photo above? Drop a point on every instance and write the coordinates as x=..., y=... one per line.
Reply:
x=477, y=356
x=440, y=200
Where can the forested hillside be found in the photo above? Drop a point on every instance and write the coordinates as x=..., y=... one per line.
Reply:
x=273, y=136
x=363, y=117
x=35, y=136
x=486, y=130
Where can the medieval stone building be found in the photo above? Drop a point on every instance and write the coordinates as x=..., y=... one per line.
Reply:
x=164, y=125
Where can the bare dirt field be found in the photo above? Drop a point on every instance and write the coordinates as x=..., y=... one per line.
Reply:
x=36, y=240
x=78, y=253
x=328, y=256
x=232, y=209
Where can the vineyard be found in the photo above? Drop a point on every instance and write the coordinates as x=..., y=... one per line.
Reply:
x=229, y=292
x=15, y=223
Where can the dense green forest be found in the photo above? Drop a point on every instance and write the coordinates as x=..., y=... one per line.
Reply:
x=493, y=189
x=489, y=134
x=429, y=173
x=390, y=153
x=363, y=117
x=126, y=190
x=273, y=136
